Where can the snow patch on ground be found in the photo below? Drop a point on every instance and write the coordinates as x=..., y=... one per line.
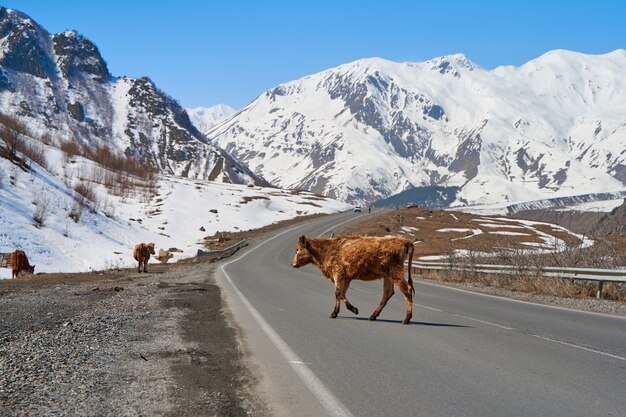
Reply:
x=505, y=233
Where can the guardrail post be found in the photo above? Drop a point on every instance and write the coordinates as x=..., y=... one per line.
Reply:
x=600, y=285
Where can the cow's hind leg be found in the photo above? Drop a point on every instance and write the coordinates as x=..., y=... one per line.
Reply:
x=145, y=266
x=387, y=293
x=408, y=295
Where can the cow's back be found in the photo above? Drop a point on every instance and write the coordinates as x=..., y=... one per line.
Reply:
x=368, y=257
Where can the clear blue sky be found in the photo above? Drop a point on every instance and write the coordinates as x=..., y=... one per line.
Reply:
x=203, y=52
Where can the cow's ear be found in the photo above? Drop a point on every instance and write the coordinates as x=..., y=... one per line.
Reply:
x=302, y=240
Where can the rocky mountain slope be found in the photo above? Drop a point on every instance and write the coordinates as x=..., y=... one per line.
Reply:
x=372, y=128
x=59, y=86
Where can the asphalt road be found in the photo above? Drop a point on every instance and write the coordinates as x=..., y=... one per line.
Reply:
x=464, y=354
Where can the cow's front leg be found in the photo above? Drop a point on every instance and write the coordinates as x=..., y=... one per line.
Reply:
x=344, y=289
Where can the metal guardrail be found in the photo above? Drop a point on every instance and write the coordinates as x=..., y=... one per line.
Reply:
x=587, y=274
x=224, y=251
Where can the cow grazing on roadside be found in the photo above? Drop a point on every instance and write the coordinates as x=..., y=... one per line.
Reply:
x=343, y=259
x=142, y=254
x=164, y=256
x=19, y=262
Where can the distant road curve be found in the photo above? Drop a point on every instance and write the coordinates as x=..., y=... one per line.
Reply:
x=464, y=354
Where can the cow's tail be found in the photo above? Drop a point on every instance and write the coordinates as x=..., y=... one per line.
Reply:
x=409, y=249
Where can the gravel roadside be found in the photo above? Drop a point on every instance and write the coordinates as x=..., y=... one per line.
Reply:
x=122, y=343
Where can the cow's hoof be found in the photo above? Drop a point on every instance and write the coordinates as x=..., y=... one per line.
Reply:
x=355, y=310
x=406, y=321
x=333, y=316
x=372, y=318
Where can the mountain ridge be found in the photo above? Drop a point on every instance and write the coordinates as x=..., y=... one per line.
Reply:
x=372, y=128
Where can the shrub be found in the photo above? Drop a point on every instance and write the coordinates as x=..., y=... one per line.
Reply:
x=77, y=210
x=10, y=131
x=36, y=153
x=70, y=148
x=86, y=196
x=46, y=139
x=42, y=209
x=109, y=209
x=11, y=140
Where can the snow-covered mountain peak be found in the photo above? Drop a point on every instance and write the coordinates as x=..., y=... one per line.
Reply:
x=205, y=118
x=77, y=55
x=453, y=64
x=19, y=20
x=24, y=45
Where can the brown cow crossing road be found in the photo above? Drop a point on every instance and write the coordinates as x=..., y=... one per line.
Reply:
x=463, y=354
x=365, y=258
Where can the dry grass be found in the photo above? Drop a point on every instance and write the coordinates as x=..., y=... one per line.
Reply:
x=309, y=203
x=607, y=253
x=248, y=199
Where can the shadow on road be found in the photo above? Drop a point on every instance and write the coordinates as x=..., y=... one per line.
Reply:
x=413, y=323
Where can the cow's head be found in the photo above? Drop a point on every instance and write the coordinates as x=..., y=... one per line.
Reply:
x=303, y=256
x=151, y=247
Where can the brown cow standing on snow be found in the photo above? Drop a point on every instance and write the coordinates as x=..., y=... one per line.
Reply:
x=19, y=263
x=343, y=259
x=142, y=254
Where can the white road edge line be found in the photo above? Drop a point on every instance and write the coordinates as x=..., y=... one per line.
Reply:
x=327, y=399
x=331, y=404
x=599, y=352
